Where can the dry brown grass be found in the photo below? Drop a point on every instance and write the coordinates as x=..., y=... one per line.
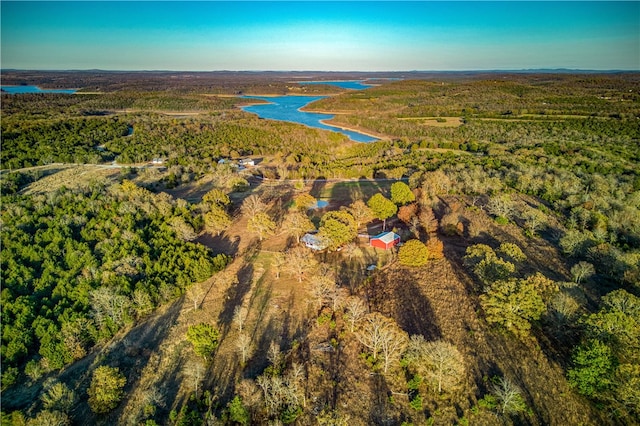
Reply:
x=439, y=301
x=73, y=177
x=435, y=121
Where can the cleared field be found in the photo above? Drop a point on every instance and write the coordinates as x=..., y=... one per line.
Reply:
x=435, y=121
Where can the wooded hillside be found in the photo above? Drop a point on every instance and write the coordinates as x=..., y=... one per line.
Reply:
x=181, y=293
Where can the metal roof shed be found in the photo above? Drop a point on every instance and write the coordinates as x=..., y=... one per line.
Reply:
x=385, y=240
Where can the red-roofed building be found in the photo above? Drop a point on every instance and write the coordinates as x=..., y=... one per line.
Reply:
x=385, y=241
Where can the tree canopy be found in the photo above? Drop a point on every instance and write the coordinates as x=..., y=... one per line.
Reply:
x=106, y=389
x=401, y=194
x=382, y=207
x=204, y=338
x=413, y=253
x=338, y=228
x=513, y=304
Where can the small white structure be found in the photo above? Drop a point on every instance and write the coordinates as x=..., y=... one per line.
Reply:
x=157, y=161
x=313, y=242
x=247, y=162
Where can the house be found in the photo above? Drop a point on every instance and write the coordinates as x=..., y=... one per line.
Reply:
x=314, y=242
x=385, y=241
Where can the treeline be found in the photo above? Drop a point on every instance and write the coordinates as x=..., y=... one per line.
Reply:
x=25, y=144
x=603, y=96
x=49, y=105
x=225, y=82
x=201, y=141
x=78, y=266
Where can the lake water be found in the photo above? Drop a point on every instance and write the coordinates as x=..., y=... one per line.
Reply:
x=287, y=108
x=345, y=84
x=34, y=89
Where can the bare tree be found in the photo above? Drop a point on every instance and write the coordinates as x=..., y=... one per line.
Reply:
x=296, y=224
x=414, y=226
x=438, y=362
x=273, y=390
x=356, y=310
x=534, y=220
x=261, y=224
x=298, y=262
x=428, y=220
x=252, y=205
x=243, y=345
x=250, y=393
x=183, y=229
x=195, y=294
x=107, y=304
x=277, y=263
x=564, y=307
x=509, y=396
x=383, y=337
x=435, y=183
x=361, y=213
x=501, y=206
x=239, y=316
x=274, y=355
x=282, y=391
x=581, y=271
x=338, y=297
x=195, y=370
x=321, y=288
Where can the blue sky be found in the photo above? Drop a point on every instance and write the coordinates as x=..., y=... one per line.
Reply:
x=338, y=36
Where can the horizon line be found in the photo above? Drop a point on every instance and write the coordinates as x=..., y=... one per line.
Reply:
x=474, y=70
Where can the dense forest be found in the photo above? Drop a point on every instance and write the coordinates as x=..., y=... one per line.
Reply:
x=182, y=294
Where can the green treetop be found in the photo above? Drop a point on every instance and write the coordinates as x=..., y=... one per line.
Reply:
x=382, y=208
x=204, y=338
x=401, y=193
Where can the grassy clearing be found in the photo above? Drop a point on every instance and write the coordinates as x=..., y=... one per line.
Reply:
x=435, y=121
x=74, y=177
x=345, y=193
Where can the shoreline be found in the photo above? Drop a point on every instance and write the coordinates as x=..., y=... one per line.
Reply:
x=327, y=122
x=271, y=95
x=322, y=111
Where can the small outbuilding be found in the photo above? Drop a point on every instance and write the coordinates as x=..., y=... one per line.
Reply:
x=385, y=240
x=314, y=242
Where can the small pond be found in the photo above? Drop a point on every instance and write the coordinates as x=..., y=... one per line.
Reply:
x=320, y=204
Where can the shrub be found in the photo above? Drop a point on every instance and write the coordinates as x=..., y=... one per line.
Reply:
x=413, y=253
x=237, y=412
x=204, y=338
x=106, y=389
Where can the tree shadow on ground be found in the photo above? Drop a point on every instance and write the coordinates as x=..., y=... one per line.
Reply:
x=350, y=274
x=396, y=293
x=220, y=244
x=263, y=338
x=130, y=354
x=318, y=187
x=234, y=296
x=379, y=413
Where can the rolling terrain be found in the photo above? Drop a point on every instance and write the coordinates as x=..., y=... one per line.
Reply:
x=185, y=283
